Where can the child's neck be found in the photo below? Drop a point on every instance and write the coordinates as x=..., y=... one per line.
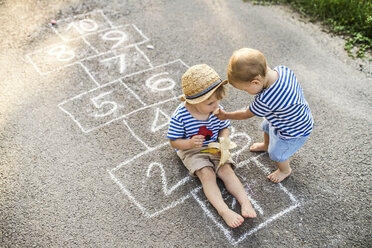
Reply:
x=271, y=77
x=195, y=113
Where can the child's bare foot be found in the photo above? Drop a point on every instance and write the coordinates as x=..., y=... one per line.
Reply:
x=258, y=147
x=278, y=175
x=248, y=211
x=231, y=218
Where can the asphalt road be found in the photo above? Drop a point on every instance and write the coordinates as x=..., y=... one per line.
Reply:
x=84, y=106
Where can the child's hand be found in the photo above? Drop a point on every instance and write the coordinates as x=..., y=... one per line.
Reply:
x=197, y=141
x=220, y=114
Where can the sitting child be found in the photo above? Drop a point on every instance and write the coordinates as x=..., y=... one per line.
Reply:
x=192, y=127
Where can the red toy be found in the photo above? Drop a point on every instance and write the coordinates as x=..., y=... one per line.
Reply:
x=205, y=132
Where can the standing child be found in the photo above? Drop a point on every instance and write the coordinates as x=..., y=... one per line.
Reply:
x=192, y=127
x=279, y=98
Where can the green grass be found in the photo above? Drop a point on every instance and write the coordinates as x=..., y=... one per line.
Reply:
x=350, y=18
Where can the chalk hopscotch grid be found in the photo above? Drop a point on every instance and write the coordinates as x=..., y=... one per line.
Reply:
x=145, y=39
x=128, y=193
x=193, y=193
x=135, y=95
x=228, y=231
x=112, y=26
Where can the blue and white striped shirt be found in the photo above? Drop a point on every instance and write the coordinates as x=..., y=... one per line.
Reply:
x=183, y=126
x=283, y=104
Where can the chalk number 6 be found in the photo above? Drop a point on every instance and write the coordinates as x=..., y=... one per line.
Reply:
x=161, y=84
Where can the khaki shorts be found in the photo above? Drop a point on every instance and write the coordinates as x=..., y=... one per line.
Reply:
x=194, y=160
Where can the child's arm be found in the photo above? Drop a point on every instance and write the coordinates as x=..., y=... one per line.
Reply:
x=224, y=133
x=237, y=115
x=184, y=144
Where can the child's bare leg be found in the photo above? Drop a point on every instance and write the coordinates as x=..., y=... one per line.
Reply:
x=208, y=179
x=261, y=147
x=283, y=171
x=235, y=187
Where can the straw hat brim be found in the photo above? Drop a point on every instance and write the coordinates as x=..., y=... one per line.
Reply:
x=203, y=97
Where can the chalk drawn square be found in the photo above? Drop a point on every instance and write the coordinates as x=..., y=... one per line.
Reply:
x=60, y=55
x=67, y=82
x=155, y=180
x=150, y=124
x=271, y=201
x=77, y=26
x=116, y=64
x=159, y=83
x=100, y=106
x=116, y=38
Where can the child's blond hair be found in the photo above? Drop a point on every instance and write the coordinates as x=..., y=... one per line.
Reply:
x=221, y=92
x=245, y=64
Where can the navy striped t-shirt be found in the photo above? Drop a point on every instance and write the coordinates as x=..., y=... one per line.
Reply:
x=283, y=104
x=183, y=126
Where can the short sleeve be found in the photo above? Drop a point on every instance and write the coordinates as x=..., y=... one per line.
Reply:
x=259, y=108
x=175, y=129
x=225, y=124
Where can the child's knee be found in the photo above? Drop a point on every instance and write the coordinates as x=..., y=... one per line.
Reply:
x=206, y=173
x=225, y=170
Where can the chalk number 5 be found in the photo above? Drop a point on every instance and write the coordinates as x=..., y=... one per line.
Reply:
x=112, y=106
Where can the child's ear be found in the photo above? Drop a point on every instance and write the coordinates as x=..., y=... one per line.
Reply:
x=257, y=80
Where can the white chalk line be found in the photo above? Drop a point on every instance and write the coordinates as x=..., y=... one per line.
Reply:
x=119, y=79
x=106, y=18
x=135, y=45
x=82, y=59
x=140, y=32
x=133, y=93
x=90, y=45
x=210, y=215
x=135, y=136
x=143, y=209
x=227, y=232
x=32, y=62
x=126, y=115
x=115, y=81
x=260, y=165
x=73, y=119
x=154, y=126
x=241, y=134
x=184, y=63
x=89, y=74
x=71, y=19
x=151, y=149
x=58, y=34
x=263, y=224
x=144, y=55
x=167, y=192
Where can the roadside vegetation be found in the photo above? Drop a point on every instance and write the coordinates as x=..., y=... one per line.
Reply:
x=350, y=18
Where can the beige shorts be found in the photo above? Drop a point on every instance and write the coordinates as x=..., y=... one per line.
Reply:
x=194, y=160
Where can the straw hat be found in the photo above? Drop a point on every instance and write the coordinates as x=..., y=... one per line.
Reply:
x=199, y=82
